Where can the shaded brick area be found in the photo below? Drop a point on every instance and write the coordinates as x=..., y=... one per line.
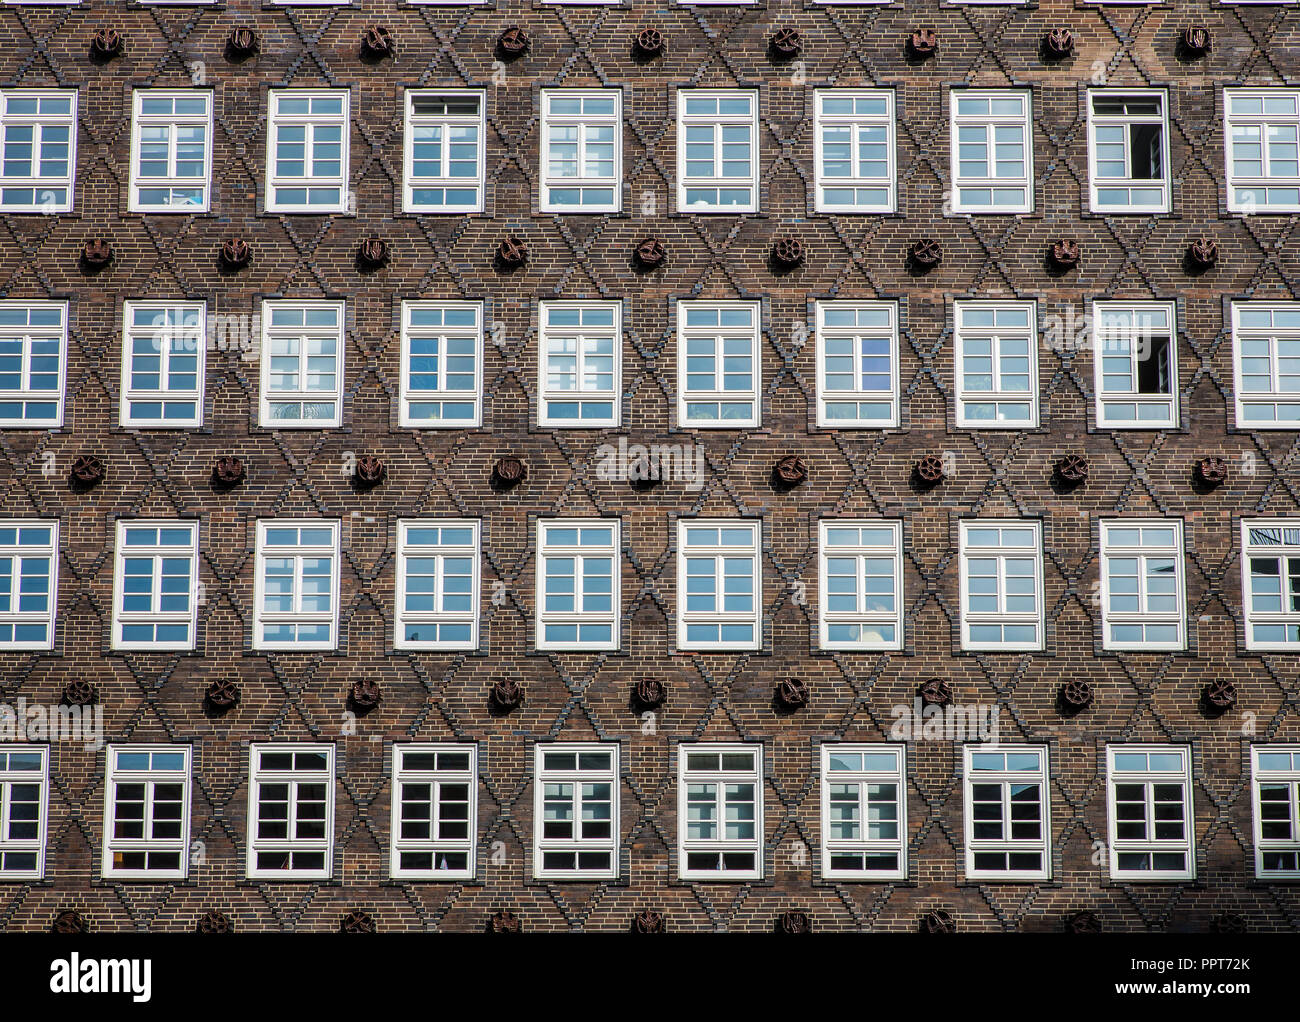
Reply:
x=427, y=697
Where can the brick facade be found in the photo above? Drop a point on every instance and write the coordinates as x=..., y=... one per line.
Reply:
x=158, y=697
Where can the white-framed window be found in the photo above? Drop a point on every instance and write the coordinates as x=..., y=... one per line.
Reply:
x=1128, y=150
x=302, y=364
x=575, y=804
x=147, y=812
x=860, y=605
x=1262, y=130
x=1136, y=365
x=442, y=364
x=582, y=150
x=171, y=150
x=296, y=602
x=1001, y=585
x=444, y=150
x=435, y=811
x=854, y=147
x=992, y=151
x=1266, y=364
x=720, y=809
x=1275, y=781
x=857, y=364
x=717, y=151
x=29, y=580
x=38, y=149
x=864, y=811
x=580, y=364
x=1149, y=788
x=719, y=584
x=163, y=353
x=155, y=585
x=33, y=363
x=577, y=583
x=307, y=151
x=996, y=345
x=437, y=584
x=290, y=812
x=1270, y=583
x=719, y=368
x=24, y=798
x=1142, y=584
x=1008, y=812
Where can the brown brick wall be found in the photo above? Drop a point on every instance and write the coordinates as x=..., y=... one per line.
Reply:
x=299, y=697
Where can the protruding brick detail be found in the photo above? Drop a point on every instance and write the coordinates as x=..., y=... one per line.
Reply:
x=649, y=42
x=1059, y=43
x=378, y=42
x=70, y=921
x=97, y=252
x=214, y=921
x=235, y=252
x=241, y=43
x=513, y=42
x=222, y=693
x=106, y=43
x=926, y=253
x=357, y=921
x=792, y=693
x=924, y=42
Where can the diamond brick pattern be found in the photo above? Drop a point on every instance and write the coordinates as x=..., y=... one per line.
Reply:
x=725, y=697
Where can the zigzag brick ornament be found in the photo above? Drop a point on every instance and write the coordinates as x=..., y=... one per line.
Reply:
x=528, y=467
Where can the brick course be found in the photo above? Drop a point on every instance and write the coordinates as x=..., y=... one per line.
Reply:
x=726, y=697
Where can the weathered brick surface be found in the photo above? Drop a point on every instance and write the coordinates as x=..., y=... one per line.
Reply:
x=717, y=696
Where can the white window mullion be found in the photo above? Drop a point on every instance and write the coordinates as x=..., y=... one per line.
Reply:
x=1135, y=365
x=33, y=363
x=149, y=856
x=171, y=188
x=300, y=626
x=1156, y=844
x=289, y=770
x=874, y=619
x=163, y=364
x=580, y=618
x=307, y=151
x=996, y=365
x=29, y=569
x=717, y=151
x=725, y=840
x=855, y=151
x=1128, y=150
x=857, y=365
x=567, y=397
x=719, y=365
x=302, y=364
x=431, y=782
x=1001, y=585
x=992, y=151
x=38, y=150
x=24, y=779
x=585, y=846
x=719, y=584
x=442, y=365
x=444, y=151
x=441, y=619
